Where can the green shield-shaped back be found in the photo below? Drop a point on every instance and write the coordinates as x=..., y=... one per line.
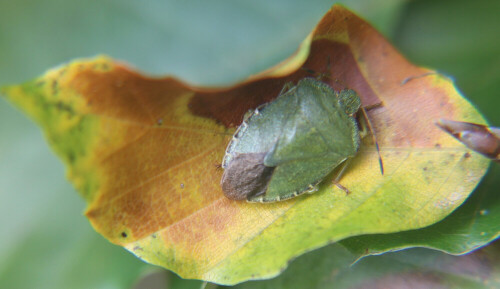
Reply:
x=295, y=140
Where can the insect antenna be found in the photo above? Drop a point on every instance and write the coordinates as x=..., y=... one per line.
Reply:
x=374, y=138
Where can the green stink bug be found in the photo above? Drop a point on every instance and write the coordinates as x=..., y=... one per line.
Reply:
x=288, y=146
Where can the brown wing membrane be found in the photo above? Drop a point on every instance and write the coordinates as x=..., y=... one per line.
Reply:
x=246, y=176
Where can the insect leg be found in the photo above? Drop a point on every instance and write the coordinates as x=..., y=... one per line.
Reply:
x=336, y=182
x=287, y=87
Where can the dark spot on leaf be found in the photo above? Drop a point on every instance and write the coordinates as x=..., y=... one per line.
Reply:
x=159, y=121
x=63, y=71
x=467, y=155
x=55, y=87
x=425, y=168
x=101, y=66
x=119, y=83
x=437, y=145
x=124, y=235
x=138, y=248
x=71, y=156
x=64, y=107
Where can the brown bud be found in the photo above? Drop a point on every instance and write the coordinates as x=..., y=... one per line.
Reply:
x=480, y=138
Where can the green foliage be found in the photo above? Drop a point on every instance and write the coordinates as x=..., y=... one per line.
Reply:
x=332, y=268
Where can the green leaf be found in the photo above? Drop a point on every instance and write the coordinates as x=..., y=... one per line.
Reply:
x=332, y=267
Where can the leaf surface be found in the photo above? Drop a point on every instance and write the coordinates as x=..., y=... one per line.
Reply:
x=46, y=242
x=472, y=225
x=332, y=267
x=143, y=153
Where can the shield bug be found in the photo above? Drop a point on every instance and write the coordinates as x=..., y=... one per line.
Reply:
x=288, y=146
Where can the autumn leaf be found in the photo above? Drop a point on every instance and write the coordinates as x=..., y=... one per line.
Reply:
x=143, y=152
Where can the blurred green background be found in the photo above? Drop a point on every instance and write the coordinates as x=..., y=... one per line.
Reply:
x=45, y=241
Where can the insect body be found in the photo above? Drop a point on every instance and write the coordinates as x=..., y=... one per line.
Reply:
x=288, y=146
